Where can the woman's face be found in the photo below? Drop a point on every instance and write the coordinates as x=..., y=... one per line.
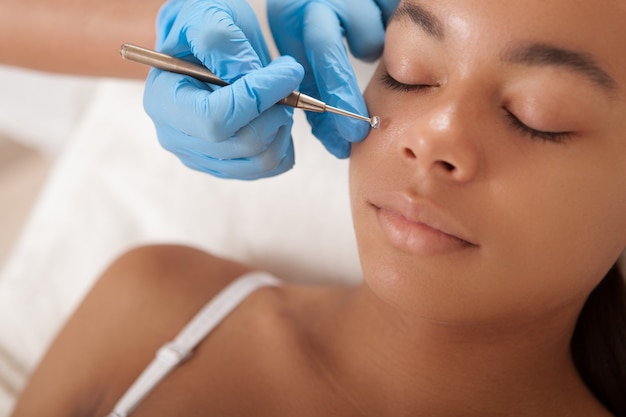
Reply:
x=496, y=184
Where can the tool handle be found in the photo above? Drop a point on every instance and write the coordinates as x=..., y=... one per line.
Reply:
x=169, y=63
x=180, y=66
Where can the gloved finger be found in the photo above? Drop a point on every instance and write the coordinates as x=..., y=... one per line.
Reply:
x=165, y=20
x=364, y=30
x=217, y=115
x=234, y=45
x=387, y=7
x=286, y=23
x=251, y=140
x=276, y=159
x=224, y=36
x=334, y=75
x=325, y=128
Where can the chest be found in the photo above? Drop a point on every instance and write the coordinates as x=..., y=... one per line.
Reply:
x=251, y=368
x=234, y=384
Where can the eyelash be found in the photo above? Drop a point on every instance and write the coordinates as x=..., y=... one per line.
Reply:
x=514, y=122
x=556, y=137
x=396, y=85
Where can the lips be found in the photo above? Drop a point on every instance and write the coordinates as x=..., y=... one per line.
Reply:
x=417, y=226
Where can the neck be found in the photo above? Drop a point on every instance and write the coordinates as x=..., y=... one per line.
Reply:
x=423, y=367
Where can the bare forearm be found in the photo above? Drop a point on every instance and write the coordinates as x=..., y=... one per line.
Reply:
x=75, y=36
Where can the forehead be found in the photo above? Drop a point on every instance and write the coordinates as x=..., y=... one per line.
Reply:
x=594, y=27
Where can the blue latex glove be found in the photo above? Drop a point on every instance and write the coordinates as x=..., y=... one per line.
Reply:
x=235, y=131
x=312, y=31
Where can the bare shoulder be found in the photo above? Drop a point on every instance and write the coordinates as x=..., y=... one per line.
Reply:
x=140, y=302
x=265, y=352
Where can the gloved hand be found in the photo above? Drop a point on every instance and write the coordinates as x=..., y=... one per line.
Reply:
x=312, y=31
x=235, y=131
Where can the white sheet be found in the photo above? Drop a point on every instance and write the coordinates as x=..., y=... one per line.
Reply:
x=40, y=110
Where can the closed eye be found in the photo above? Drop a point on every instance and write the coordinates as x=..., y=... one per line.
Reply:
x=514, y=121
x=396, y=85
x=535, y=134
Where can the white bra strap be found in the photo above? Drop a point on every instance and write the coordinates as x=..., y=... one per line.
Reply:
x=172, y=353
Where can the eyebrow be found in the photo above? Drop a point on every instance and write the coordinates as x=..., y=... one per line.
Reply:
x=541, y=54
x=429, y=23
x=534, y=54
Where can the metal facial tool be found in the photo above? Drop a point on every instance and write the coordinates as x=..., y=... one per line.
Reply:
x=169, y=63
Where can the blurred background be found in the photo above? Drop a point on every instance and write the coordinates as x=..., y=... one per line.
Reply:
x=37, y=114
x=23, y=170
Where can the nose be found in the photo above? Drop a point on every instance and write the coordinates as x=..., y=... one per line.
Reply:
x=444, y=142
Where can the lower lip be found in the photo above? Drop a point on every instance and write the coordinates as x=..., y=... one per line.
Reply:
x=416, y=238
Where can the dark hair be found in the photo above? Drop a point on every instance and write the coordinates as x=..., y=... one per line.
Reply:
x=599, y=342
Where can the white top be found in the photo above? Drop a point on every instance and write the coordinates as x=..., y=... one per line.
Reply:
x=172, y=353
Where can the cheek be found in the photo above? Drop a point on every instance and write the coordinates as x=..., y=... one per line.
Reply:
x=380, y=101
x=598, y=218
x=564, y=226
x=372, y=151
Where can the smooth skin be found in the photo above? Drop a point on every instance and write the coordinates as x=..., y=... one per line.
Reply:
x=479, y=240
x=77, y=37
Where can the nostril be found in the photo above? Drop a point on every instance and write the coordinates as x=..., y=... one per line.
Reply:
x=447, y=166
x=408, y=152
